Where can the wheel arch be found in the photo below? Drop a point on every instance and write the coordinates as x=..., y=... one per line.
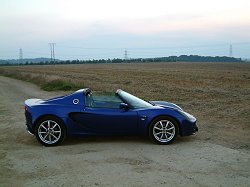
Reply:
x=48, y=115
x=169, y=116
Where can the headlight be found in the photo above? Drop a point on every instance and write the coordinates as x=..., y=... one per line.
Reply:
x=187, y=115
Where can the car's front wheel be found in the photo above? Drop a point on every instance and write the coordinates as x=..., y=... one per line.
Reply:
x=50, y=131
x=163, y=130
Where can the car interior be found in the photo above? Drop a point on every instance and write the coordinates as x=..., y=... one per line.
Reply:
x=102, y=101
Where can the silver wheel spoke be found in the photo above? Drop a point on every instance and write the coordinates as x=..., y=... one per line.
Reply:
x=54, y=136
x=45, y=136
x=158, y=133
x=167, y=124
x=170, y=128
x=54, y=126
x=43, y=127
x=161, y=124
x=169, y=133
x=48, y=124
x=50, y=138
x=161, y=135
x=158, y=128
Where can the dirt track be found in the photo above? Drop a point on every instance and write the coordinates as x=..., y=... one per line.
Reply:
x=190, y=161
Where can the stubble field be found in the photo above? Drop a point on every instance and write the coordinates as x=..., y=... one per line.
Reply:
x=217, y=94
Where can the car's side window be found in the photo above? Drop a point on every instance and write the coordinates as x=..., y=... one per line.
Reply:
x=103, y=101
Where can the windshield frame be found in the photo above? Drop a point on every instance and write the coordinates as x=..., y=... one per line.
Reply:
x=133, y=101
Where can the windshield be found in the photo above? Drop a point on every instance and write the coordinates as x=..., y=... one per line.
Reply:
x=133, y=101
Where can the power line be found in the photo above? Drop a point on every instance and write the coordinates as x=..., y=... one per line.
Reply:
x=20, y=55
x=52, y=52
x=126, y=54
x=231, y=50
x=157, y=48
x=221, y=49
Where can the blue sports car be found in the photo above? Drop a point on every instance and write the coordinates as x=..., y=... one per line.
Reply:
x=84, y=114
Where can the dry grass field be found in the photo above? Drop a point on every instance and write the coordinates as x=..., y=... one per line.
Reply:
x=218, y=94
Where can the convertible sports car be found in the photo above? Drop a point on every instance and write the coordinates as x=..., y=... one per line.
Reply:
x=83, y=114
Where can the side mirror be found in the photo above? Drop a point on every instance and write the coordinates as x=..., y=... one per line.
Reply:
x=124, y=106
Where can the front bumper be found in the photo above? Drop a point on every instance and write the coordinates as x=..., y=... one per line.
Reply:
x=196, y=129
x=188, y=128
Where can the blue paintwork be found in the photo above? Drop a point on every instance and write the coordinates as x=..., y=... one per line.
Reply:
x=80, y=120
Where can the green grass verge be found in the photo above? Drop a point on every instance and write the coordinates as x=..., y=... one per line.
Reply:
x=58, y=85
x=42, y=82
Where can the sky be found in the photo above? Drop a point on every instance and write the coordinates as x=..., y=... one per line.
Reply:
x=94, y=29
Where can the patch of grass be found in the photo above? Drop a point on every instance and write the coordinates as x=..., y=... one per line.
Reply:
x=59, y=85
x=42, y=81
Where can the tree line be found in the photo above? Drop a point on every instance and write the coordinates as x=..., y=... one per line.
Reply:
x=181, y=58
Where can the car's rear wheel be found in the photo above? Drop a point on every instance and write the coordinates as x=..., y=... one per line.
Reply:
x=50, y=131
x=163, y=130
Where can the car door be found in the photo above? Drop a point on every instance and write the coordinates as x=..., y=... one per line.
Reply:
x=100, y=117
x=109, y=121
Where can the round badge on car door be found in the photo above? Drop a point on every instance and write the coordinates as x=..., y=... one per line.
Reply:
x=75, y=101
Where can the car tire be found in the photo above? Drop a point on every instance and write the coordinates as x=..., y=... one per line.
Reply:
x=50, y=131
x=163, y=130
